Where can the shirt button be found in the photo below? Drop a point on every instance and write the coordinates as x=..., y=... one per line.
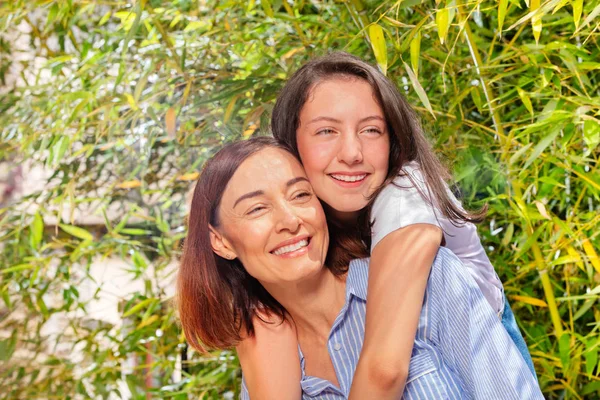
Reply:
x=337, y=347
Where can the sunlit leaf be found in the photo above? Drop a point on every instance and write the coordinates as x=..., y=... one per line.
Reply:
x=536, y=20
x=529, y=300
x=377, y=38
x=419, y=89
x=37, y=230
x=591, y=253
x=442, y=21
x=77, y=232
x=502, y=7
x=541, y=146
x=171, y=122
x=415, y=52
x=591, y=134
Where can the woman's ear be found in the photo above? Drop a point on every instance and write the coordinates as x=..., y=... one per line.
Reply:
x=220, y=244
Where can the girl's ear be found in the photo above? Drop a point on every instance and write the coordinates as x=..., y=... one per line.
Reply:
x=220, y=244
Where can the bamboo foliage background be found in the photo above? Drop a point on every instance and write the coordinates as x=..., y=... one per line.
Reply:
x=123, y=101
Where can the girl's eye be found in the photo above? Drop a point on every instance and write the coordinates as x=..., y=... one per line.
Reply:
x=373, y=131
x=325, y=132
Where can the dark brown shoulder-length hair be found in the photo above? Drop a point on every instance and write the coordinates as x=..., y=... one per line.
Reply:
x=216, y=297
x=407, y=140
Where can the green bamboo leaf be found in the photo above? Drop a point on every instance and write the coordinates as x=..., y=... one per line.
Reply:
x=541, y=146
x=266, y=5
x=377, y=39
x=536, y=20
x=595, y=12
x=577, y=10
x=138, y=307
x=419, y=89
x=526, y=101
x=77, y=232
x=415, y=52
x=502, y=7
x=19, y=267
x=510, y=230
x=560, y=5
x=564, y=347
x=42, y=305
x=591, y=354
x=584, y=308
x=591, y=134
x=442, y=20
x=37, y=230
x=105, y=18
x=135, y=232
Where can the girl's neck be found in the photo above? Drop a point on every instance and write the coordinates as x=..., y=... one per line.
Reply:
x=343, y=217
x=313, y=304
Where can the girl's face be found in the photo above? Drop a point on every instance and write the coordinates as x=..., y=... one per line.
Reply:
x=271, y=220
x=343, y=143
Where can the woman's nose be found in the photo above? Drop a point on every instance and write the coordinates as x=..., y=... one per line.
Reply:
x=351, y=149
x=287, y=219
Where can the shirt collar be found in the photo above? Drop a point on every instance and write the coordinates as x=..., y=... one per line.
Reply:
x=358, y=278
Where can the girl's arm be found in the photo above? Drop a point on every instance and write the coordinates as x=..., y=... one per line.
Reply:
x=399, y=270
x=270, y=362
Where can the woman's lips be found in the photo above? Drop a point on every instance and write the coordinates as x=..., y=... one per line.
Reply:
x=292, y=250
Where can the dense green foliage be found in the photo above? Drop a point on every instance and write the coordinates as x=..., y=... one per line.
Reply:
x=122, y=103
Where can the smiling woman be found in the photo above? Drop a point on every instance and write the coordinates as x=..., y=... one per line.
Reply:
x=218, y=298
x=257, y=246
x=285, y=221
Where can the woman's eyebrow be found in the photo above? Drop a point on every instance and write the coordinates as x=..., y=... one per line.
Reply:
x=260, y=192
x=248, y=196
x=296, y=180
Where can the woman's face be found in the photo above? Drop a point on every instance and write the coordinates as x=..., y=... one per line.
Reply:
x=343, y=143
x=271, y=220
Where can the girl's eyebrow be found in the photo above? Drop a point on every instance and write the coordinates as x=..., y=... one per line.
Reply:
x=330, y=119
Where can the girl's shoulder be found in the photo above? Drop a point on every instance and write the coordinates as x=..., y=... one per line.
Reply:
x=409, y=186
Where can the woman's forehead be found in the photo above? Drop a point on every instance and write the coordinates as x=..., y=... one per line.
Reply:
x=265, y=170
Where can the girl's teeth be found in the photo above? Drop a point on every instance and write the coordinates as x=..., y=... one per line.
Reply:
x=348, y=178
x=291, y=247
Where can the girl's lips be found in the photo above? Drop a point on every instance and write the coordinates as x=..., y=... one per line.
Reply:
x=350, y=180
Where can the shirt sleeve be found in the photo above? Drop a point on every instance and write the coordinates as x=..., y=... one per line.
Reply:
x=403, y=202
x=472, y=339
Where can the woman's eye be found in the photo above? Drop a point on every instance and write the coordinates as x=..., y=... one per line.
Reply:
x=303, y=195
x=255, y=210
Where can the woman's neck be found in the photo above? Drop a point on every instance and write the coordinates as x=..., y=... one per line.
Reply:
x=313, y=304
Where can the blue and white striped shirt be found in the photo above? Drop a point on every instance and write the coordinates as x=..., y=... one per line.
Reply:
x=461, y=349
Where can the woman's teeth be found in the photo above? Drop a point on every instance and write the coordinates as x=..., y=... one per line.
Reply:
x=291, y=247
x=349, y=178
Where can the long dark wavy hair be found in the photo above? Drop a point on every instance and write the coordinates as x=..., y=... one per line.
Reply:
x=407, y=140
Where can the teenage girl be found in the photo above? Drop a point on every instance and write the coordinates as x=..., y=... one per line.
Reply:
x=370, y=164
